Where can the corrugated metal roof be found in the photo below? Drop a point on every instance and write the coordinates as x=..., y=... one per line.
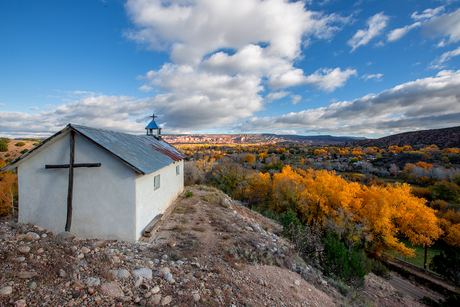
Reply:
x=145, y=154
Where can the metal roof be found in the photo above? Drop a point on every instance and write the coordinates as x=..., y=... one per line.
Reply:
x=143, y=153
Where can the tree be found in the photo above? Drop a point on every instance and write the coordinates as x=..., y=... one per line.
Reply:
x=250, y=159
x=446, y=190
x=8, y=188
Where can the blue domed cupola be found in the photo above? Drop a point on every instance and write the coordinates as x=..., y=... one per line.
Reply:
x=153, y=129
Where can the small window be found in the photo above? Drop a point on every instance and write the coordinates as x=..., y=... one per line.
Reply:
x=156, y=182
x=177, y=169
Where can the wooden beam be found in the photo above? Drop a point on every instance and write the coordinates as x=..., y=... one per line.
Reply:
x=75, y=165
x=68, y=223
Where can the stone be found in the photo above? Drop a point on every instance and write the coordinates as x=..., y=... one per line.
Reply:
x=116, y=259
x=111, y=290
x=144, y=272
x=123, y=273
x=26, y=275
x=35, y=235
x=166, y=300
x=156, y=261
x=65, y=235
x=198, y=275
x=138, y=280
x=38, y=228
x=196, y=297
x=155, y=290
x=162, y=272
x=155, y=299
x=172, y=243
x=77, y=294
x=168, y=277
x=102, y=243
x=24, y=249
x=84, y=250
x=297, y=282
x=92, y=281
x=32, y=284
x=40, y=250
x=83, y=262
x=125, y=299
x=5, y=291
x=62, y=273
x=20, y=303
x=19, y=259
x=164, y=257
x=179, y=262
x=218, y=292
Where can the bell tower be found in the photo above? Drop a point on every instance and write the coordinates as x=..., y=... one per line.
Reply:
x=153, y=129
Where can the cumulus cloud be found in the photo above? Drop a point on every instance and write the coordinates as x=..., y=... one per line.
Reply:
x=277, y=95
x=145, y=88
x=296, y=99
x=33, y=108
x=397, y=34
x=446, y=56
x=446, y=25
x=428, y=13
x=375, y=24
x=2, y=105
x=429, y=102
x=377, y=77
x=330, y=79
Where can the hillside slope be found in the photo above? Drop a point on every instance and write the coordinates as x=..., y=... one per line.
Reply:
x=443, y=138
x=209, y=252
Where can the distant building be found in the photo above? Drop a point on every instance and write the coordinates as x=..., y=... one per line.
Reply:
x=98, y=183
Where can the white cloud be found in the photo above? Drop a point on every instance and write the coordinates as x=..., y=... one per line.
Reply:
x=446, y=25
x=446, y=56
x=33, y=108
x=397, y=34
x=377, y=77
x=145, y=88
x=376, y=24
x=428, y=13
x=330, y=79
x=277, y=95
x=2, y=104
x=429, y=103
x=296, y=99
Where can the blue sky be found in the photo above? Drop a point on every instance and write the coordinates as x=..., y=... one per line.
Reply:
x=363, y=68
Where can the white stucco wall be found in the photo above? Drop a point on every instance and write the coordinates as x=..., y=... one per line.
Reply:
x=151, y=202
x=104, y=197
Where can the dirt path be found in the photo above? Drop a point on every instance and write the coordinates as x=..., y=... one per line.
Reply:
x=417, y=292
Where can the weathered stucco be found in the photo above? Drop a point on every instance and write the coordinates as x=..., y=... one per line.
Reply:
x=103, y=202
x=151, y=202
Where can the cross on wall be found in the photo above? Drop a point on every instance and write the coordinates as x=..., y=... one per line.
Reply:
x=71, y=167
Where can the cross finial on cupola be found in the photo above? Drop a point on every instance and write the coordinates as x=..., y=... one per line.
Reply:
x=153, y=129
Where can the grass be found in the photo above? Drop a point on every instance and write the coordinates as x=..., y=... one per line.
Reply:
x=419, y=254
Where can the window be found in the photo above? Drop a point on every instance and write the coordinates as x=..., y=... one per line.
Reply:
x=156, y=182
x=177, y=169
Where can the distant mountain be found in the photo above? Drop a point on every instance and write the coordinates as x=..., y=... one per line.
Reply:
x=443, y=138
x=254, y=139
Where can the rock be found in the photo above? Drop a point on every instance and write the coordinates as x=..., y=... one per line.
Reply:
x=111, y=290
x=168, y=277
x=166, y=300
x=162, y=272
x=25, y=275
x=144, y=272
x=19, y=259
x=100, y=244
x=138, y=280
x=116, y=259
x=83, y=262
x=92, y=281
x=84, y=250
x=5, y=291
x=38, y=228
x=179, y=262
x=31, y=285
x=198, y=275
x=218, y=292
x=123, y=273
x=62, y=273
x=156, y=261
x=23, y=249
x=35, y=235
x=155, y=290
x=125, y=299
x=20, y=303
x=171, y=263
x=164, y=257
x=155, y=300
x=196, y=297
x=172, y=243
x=65, y=235
x=40, y=251
x=77, y=294
x=297, y=282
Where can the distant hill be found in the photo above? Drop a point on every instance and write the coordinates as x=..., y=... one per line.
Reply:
x=254, y=139
x=443, y=138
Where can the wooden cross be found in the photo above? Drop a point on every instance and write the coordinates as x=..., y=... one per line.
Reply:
x=71, y=166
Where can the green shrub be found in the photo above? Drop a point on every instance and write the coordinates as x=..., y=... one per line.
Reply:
x=448, y=264
x=445, y=190
x=7, y=155
x=24, y=151
x=379, y=269
x=20, y=144
x=26, y=139
x=3, y=146
x=188, y=193
x=6, y=140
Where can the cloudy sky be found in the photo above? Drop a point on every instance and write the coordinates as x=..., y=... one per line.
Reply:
x=363, y=68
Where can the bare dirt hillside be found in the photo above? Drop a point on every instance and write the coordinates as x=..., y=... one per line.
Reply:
x=14, y=151
x=208, y=252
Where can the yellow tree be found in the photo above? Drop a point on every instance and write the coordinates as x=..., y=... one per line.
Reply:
x=8, y=187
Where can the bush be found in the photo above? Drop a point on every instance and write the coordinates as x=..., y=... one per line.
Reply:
x=3, y=146
x=379, y=269
x=24, y=151
x=6, y=140
x=448, y=264
x=20, y=144
x=188, y=193
x=445, y=190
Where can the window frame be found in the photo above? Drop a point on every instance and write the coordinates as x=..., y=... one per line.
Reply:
x=156, y=182
x=177, y=169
